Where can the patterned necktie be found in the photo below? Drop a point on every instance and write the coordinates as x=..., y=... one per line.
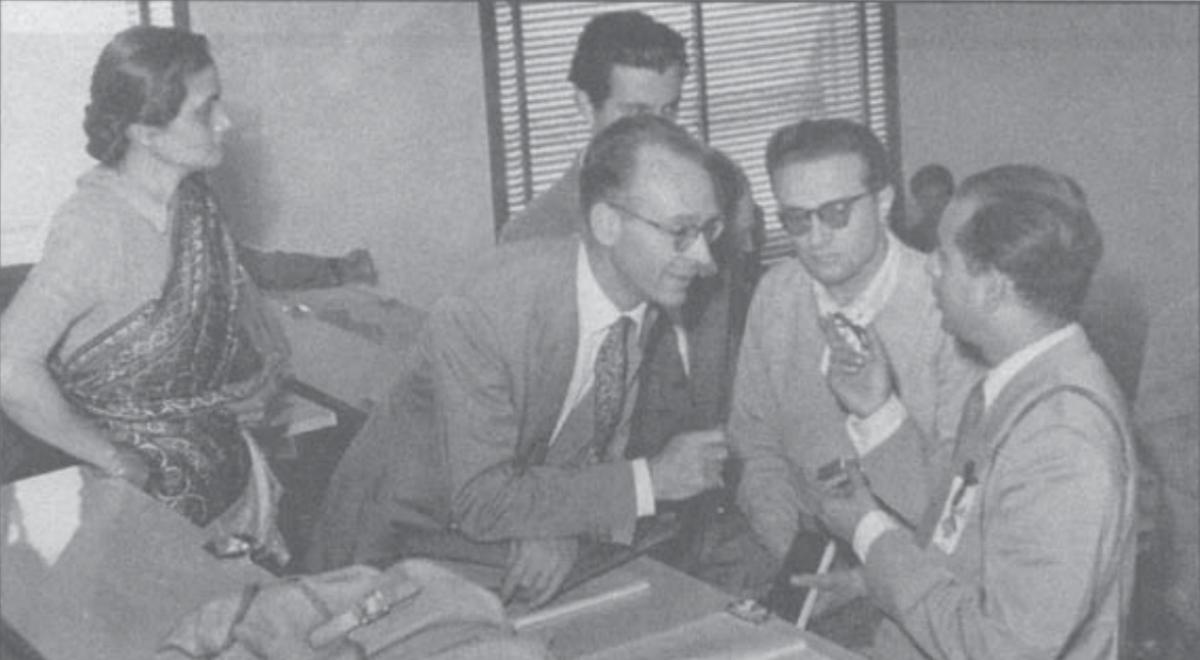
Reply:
x=609, y=386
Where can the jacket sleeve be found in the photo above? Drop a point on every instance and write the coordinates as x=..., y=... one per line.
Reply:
x=1052, y=525
x=496, y=496
x=767, y=491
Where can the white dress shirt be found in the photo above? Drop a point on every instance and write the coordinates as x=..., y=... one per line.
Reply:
x=597, y=313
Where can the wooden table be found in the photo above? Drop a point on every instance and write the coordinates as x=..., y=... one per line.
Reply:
x=656, y=612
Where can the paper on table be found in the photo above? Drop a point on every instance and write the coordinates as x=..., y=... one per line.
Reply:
x=718, y=635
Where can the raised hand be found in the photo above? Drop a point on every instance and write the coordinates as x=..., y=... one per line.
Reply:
x=860, y=378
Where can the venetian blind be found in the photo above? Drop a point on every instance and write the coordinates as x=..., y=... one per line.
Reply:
x=752, y=68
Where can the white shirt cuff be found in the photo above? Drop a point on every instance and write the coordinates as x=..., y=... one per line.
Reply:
x=871, y=527
x=643, y=488
x=867, y=433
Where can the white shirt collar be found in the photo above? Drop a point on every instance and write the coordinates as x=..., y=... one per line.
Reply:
x=1002, y=374
x=596, y=310
x=865, y=306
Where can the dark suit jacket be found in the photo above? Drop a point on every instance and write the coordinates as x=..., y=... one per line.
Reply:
x=1044, y=564
x=462, y=443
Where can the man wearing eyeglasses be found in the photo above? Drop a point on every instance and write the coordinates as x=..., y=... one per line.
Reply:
x=626, y=63
x=831, y=180
x=513, y=428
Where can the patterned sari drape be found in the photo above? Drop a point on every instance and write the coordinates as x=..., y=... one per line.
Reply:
x=160, y=378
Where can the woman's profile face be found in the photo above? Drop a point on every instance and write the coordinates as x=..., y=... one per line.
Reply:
x=192, y=140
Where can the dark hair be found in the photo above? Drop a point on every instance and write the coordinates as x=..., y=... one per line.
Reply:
x=1034, y=226
x=611, y=157
x=630, y=38
x=140, y=78
x=812, y=139
x=932, y=175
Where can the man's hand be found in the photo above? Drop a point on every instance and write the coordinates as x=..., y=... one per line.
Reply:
x=690, y=464
x=841, y=507
x=537, y=568
x=861, y=380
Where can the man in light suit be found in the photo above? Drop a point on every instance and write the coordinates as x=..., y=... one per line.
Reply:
x=1027, y=549
x=832, y=181
x=495, y=435
x=626, y=63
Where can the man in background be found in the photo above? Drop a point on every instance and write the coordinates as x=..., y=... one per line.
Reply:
x=931, y=188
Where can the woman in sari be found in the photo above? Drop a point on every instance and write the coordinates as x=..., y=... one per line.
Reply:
x=137, y=344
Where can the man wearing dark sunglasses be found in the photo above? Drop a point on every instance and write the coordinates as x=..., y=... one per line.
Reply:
x=832, y=183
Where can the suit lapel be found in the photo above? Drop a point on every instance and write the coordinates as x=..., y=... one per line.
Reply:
x=550, y=361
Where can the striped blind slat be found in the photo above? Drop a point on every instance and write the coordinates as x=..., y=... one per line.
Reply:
x=764, y=65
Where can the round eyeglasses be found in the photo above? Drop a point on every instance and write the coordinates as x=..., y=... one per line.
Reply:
x=683, y=237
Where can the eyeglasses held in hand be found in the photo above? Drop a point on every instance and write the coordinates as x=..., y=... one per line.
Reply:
x=683, y=237
x=835, y=214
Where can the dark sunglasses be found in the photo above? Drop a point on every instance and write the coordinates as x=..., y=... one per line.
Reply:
x=835, y=214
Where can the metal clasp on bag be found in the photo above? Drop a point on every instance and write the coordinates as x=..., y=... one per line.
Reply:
x=374, y=606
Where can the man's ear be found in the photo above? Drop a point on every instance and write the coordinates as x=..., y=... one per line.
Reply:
x=606, y=224
x=583, y=103
x=883, y=201
x=996, y=288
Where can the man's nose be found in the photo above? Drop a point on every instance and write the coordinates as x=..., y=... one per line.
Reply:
x=701, y=253
x=819, y=234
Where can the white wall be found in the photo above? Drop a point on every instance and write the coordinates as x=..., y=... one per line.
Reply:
x=47, y=51
x=1106, y=93
x=360, y=124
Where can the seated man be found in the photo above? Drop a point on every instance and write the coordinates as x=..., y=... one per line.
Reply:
x=1028, y=549
x=627, y=63
x=514, y=425
x=831, y=180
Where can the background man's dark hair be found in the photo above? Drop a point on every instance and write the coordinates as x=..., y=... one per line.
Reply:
x=630, y=38
x=812, y=139
x=1034, y=226
x=932, y=175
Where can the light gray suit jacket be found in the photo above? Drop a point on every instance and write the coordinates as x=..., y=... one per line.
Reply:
x=785, y=423
x=464, y=441
x=1044, y=565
